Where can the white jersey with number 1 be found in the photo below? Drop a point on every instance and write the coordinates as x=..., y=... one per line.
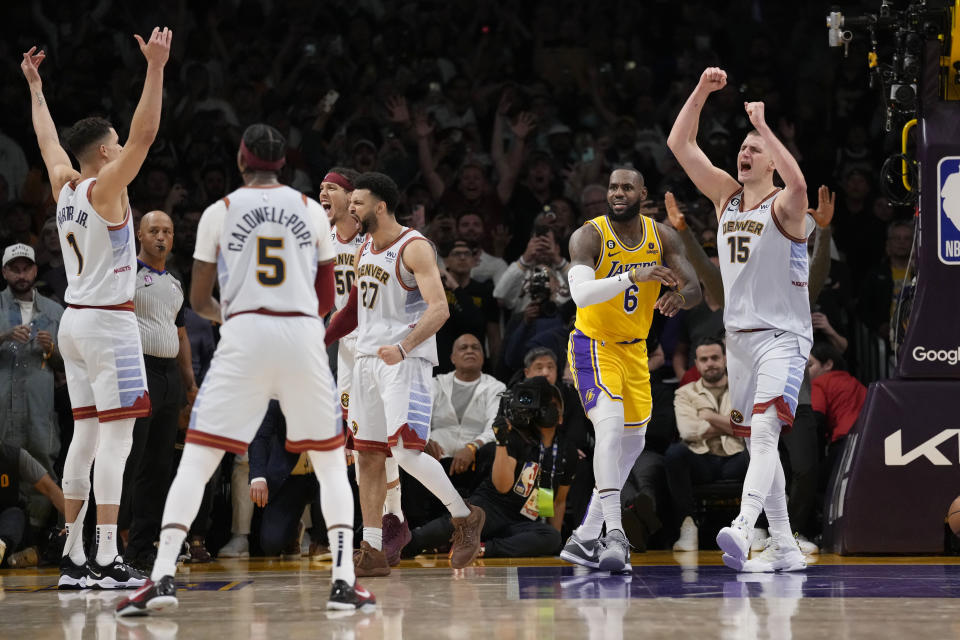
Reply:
x=764, y=269
x=267, y=243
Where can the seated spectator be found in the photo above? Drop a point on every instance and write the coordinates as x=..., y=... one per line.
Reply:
x=465, y=403
x=524, y=495
x=488, y=268
x=19, y=470
x=708, y=451
x=283, y=484
x=473, y=309
x=836, y=397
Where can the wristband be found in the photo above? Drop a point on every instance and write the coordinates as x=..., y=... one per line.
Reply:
x=403, y=353
x=472, y=447
x=683, y=300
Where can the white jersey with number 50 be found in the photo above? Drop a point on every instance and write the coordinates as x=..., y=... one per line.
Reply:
x=99, y=257
x=266, y=242
x=764, y=270
x=343, y=267
x=389, y=303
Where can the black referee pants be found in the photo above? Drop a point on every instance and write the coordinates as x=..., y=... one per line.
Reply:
x=147, y=475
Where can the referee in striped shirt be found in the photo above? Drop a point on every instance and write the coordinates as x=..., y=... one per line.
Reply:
x=159, y=306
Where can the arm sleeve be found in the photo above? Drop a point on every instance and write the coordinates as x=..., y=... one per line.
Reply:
x=324, y=286
x=344, y=321
x=586, y=290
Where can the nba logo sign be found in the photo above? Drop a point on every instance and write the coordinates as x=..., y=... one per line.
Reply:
x=948, y=214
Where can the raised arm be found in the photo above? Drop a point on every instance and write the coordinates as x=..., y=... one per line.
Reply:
x=791, y=206
x=425, y=156
x=820, y=262
x=708, y=272
x=585, y=288
x=712, y=182
x=687, y=288
x=54, y=156
x=118, y=173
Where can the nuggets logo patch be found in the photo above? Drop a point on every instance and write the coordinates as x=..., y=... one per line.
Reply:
x=611, y=244
x=345, y=400
x=736, y=416
x=354, y=426
x=735, y=202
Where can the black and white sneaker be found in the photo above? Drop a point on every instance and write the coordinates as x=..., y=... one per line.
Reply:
x=152, y=596
x=118, y=575
x=343, y=597
x=72, y=576
x=582, y=552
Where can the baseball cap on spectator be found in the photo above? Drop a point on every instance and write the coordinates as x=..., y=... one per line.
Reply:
x=18, y=250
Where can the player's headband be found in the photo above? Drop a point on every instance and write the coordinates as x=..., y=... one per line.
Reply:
x=259, y=164
x=338, y=179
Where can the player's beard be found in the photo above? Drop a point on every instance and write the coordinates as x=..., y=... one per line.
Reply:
x=628, y=214
x=368, y=225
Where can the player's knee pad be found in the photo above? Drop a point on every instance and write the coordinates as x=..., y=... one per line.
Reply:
x=77, y=488
x=83, y=448
x=764, y=433
x=631, y=446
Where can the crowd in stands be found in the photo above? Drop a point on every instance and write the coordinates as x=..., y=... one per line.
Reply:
x=501, y=132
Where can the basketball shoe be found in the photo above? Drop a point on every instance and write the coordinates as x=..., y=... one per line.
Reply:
x=615, y=552
x=72, y=576
x=396, y=535
x=117, y=575
x=582, y=552
x=734, y=541
x=465, y=542
x=344, y=597
x=152, y=596
x=779, y=554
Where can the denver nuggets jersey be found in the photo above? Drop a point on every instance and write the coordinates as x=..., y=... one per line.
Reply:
x=98, y=257
x=267, y=243
x=343, y=267
x=626, y=316
x=764, y=270
x=389, y=303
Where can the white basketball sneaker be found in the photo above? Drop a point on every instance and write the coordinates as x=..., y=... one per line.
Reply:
x=781, y=553
x=735, y=543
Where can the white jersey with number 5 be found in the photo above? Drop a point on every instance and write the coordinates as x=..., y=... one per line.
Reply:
x=389, y=303
x=764, y=270
x=266, y=243
x=98, y=256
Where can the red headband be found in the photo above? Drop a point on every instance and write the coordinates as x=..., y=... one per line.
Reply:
x=259, y=164
x=338, y=179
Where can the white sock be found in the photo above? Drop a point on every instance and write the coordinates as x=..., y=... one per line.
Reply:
x=430, y=473
x=373, y=537
x=341, y=548
x=764, y=458
x=171, y=543
x=74, y=544
x=610, y=504
x=106, y=544
x=775, y=505
x=592, y=523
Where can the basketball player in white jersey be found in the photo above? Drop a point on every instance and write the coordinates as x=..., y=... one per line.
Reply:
x=99, y=337
x=269, y=247
x=397, y=304
x=335, y=190
x=763, y=262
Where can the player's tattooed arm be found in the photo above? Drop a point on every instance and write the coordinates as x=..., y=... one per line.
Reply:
x=203, y=278
x=687, y=294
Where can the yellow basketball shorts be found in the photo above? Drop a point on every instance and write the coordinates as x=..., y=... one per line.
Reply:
x=617, y=369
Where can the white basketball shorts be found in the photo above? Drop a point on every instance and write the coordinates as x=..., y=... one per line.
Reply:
x=390, y=405
x=261, y=357
x=764, y=368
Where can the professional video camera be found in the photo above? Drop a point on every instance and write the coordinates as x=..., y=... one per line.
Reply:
x=537, y=286
x=529, y=406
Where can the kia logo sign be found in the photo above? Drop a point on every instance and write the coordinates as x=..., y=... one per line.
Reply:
x=951, y=356
x=893, y=455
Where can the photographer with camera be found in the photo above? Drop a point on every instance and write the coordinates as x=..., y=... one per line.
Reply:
x=542, y=250
x=524, y=497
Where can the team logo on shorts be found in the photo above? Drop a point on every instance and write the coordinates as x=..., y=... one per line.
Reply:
x=590, y=395
x=611, y=244
x=354, y=426
x=736, y=416
x=345, y=400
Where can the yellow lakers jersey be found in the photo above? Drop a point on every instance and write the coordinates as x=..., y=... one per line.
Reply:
x=626, y=316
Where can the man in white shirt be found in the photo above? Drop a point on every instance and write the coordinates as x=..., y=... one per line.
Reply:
x=465, y=402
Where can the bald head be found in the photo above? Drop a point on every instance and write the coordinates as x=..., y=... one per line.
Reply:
x=467, y=357
x=156, y=238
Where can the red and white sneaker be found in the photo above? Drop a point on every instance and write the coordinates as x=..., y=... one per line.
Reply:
x=153, y=596
x=344, y=597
